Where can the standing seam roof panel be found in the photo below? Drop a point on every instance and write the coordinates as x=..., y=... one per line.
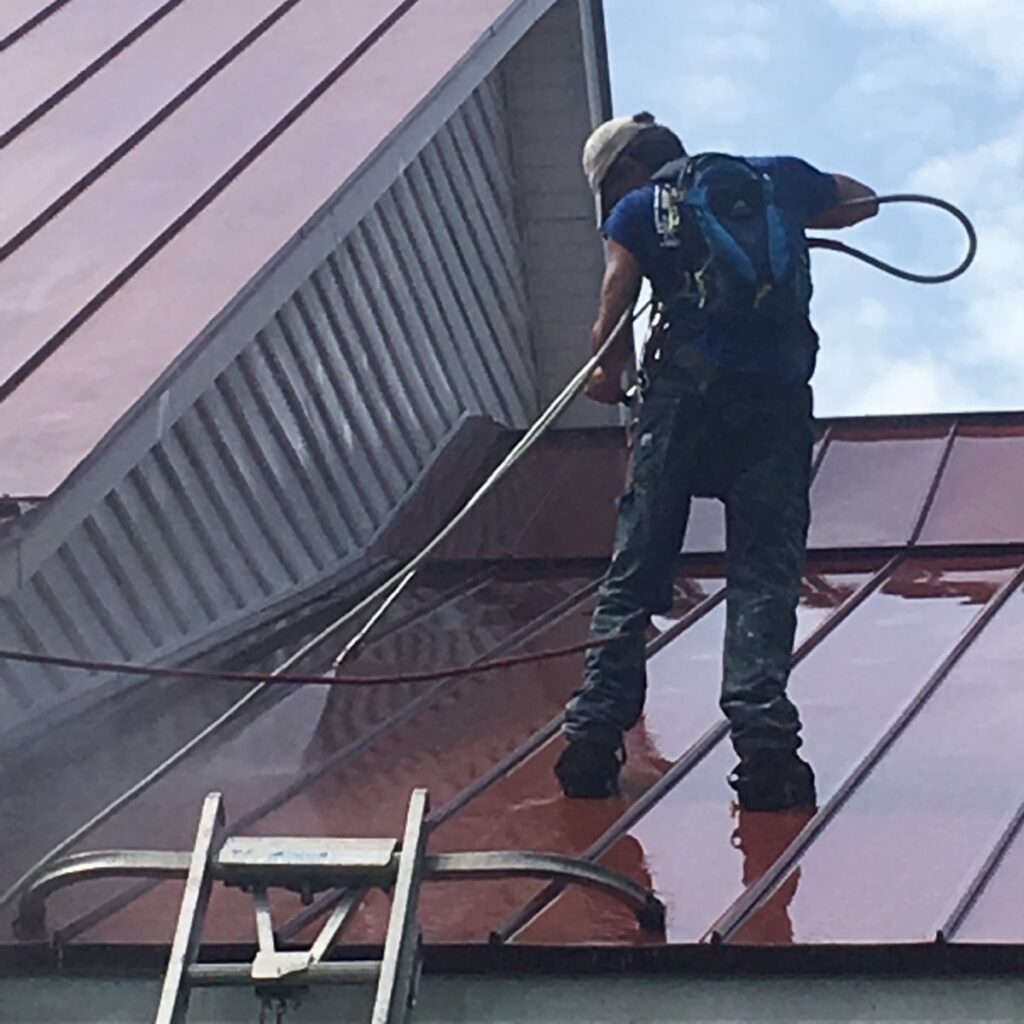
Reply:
x=847, y=690
x=48, y=163
x=146, y=306
x=979, y=497
x=431, y=741
x=902, y=471
x=994, y=917
x=162, y=176
x=907, y=686
x=60, y=48
x=931, y=821
x=683, y=685
x=19, y=17
x=266, y=449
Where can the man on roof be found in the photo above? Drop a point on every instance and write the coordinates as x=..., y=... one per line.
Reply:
x=726, y=412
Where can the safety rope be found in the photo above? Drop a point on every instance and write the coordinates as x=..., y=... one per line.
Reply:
x=906, y=197
x=159, y=672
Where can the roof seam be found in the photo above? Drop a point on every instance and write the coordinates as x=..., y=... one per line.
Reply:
x=25, y=27
x=22, y=373
x=980, y=881
x=689, y=759
x=120, y=151
x=742, y=908
x=86, y=73
x=933, y=490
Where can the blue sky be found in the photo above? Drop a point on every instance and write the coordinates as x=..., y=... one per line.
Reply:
x=907, y=95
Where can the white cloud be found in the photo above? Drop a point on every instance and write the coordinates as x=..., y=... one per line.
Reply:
x=914, y=386
x=746, y=46
x=989, y=31
x=865, y=376
x=877, y=360
x=699, y=68
x=989, y=173
x=900, y=348
x=900, y=100
x=908, y=95
x=891, y=71
x=719, y=97
x=986, y=180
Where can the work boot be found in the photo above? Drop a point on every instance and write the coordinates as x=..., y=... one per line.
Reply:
x=589, y=770
x=774, y=780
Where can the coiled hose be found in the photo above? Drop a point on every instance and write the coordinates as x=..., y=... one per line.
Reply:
x=905, y=275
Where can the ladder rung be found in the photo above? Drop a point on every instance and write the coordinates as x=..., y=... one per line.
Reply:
x=354, y=972
x=300, y=862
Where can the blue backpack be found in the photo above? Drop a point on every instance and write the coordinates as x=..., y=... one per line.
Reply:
x=744, y=266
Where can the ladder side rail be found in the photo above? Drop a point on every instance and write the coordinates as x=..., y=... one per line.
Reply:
x=188, y=932
x=400, y=962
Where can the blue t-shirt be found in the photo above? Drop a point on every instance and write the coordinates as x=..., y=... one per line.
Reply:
x=802, y=194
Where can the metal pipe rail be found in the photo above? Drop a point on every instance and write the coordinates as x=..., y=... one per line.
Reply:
x=442, y=867
x=347, y=972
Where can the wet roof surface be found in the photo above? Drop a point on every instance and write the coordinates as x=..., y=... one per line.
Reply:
x=908, y=675
x=111, y=212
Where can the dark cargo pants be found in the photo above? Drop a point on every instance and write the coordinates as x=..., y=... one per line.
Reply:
x=747, y=441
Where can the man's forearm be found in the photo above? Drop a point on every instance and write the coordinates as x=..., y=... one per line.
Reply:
x=621, y=349
x=619, y=292
x=841, y=216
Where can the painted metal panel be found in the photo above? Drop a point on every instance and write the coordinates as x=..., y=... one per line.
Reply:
x=103, y=117
x=524, y=808
x=18, y=17
x=165, y=173
x=979, y=497
x=351, y=772
x=700, y=854
x=705, y=529
x=302, y=448
x=226, y=235
x=61, y=47
x=846, y=514
x=994, y=918
x=888, y=865
x=297, y=760
x=932, y=806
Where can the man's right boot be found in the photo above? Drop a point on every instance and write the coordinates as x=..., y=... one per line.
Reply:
x=588, y=770
x=774, y=780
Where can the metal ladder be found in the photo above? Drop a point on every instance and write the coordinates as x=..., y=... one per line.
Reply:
x=304, y=866
x=344, y=869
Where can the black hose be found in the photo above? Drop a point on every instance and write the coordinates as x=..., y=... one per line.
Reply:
x=906, y=275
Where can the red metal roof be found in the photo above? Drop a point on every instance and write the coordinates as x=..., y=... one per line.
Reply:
x=141, y=140
x=909, y=654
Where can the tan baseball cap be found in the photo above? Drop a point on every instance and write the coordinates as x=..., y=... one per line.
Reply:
x=603, y=148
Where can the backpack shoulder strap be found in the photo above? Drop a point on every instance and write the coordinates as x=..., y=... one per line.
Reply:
x=675, y=172
x=670, y=183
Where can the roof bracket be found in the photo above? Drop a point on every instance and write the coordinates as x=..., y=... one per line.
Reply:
x=306, y=866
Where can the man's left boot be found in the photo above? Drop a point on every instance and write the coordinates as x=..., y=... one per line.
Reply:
x=589, y=770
